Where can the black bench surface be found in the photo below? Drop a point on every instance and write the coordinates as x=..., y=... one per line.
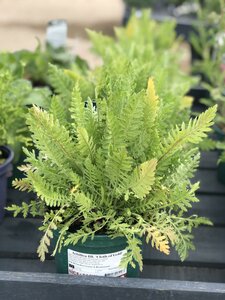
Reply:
x=201, y=276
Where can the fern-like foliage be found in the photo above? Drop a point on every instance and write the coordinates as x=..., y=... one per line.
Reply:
x=114, y=169
x=63, y=81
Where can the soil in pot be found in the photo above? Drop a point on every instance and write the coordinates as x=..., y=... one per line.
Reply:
x=98, y=257
x=6, y=156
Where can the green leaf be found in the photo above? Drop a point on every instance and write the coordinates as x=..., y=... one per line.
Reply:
x=85, y=143
x=52, y=139
x=193, y=133
x=143, y=178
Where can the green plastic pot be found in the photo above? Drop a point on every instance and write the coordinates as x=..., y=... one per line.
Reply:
x=92, y=257
x=221, y=167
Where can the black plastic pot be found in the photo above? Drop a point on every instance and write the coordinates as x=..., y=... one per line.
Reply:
x=5, y=172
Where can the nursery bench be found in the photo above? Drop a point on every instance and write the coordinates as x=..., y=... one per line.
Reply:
x=201, y=276
x=20, y=286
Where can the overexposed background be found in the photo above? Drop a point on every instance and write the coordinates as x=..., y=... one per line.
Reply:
x=22, y=21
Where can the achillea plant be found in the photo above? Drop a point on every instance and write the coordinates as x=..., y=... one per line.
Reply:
x=113, y=169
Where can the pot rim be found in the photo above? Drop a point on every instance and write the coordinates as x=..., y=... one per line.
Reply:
x=102, y=240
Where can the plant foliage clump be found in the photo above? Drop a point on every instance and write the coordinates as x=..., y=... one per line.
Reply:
x=33, y=65
x=209, y=43
x=153, y=49
x=15, y=95
x=113, y=170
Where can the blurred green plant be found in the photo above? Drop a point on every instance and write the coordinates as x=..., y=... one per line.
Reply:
x=209, y=43
x=153, y=49
x=33, y=65
x=116, y=149
x=15, y=95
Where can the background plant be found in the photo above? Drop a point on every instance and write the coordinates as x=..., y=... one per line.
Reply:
x=209, y=42
x=141, y=3
x=152, y=47
x=15, y=95
x=34, y=65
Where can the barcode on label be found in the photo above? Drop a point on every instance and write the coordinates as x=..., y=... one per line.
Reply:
x=71, y=266
x=116, y=274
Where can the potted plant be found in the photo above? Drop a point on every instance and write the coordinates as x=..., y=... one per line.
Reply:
x=112, y=176
x=15, y=95
x=11, y=128
x=164, y=9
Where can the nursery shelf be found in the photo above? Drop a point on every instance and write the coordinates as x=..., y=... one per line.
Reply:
x=57, y=287
x=201, y=276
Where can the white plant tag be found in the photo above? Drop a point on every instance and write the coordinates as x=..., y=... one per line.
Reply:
x=56, y=33
x=107, y=265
